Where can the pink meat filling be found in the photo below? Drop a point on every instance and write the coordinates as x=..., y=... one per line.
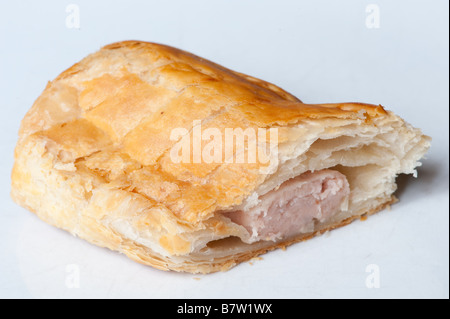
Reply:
x=295, y=206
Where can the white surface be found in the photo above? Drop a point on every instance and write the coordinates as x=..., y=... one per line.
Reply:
x=321, y=51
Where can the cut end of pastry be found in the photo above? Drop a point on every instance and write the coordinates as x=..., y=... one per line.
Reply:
x=94, y=158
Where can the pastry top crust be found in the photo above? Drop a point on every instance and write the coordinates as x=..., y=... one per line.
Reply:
x=111, y=115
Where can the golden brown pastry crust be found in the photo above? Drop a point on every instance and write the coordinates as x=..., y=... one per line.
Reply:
x=100, y=132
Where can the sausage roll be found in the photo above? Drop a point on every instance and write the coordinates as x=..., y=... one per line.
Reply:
x=182, y=164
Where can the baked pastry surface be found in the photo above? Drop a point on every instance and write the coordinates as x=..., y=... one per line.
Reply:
x=94, y=156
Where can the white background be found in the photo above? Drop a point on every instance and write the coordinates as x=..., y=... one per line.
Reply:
x=321, y=51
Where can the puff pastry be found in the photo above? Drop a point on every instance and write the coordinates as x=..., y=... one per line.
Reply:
x=93, y=158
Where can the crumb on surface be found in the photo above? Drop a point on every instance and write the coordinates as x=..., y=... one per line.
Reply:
x=251, y=261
